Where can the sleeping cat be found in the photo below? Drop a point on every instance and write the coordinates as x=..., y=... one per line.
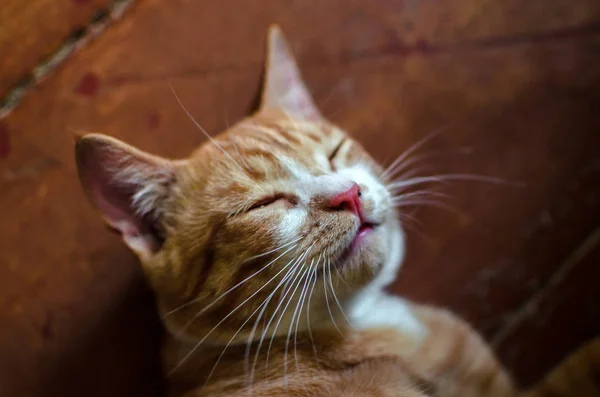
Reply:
x=269, y=249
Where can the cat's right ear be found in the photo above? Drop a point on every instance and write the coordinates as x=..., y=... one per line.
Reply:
x=128, y=186
x=283, y=85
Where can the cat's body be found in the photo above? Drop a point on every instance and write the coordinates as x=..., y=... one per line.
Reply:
x=269, y=249
x=449, y=359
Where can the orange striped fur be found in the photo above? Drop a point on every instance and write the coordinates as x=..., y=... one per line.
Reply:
x=269, y=276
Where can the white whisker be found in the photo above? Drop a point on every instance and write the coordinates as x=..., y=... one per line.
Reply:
x=271, y=251
x=238, y=284
x=429, y=203
x=289, y=333
x=222, y=321
x=412, y=224
x=262, y=305
x=447, y=177
x=419, y=193
x=282, y=313
x=303, y=295
x=408, y=152
x=187, y=112
x=327, y=302
x=314, y=283
x=340, y=276
x=414, y=172
x=214, y=302
x=284, y=281
x=285, y=290
x=409, y=217
x=281, y=300
x=411, y=161
x=335, y=295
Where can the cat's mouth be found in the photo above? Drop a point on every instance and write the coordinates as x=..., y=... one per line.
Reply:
x=362, y=233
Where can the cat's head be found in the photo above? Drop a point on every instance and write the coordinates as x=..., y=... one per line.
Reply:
x=281, y=209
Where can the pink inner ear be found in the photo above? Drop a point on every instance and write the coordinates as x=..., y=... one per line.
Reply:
x=295, y=93
x=284, y=87
x=117, y=216
x=100, y=168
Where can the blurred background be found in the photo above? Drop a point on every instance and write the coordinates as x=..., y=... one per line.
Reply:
x=514, y=85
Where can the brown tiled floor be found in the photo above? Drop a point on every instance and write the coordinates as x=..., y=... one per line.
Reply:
x=517, y=83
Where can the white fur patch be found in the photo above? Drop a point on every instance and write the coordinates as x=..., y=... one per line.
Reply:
x=327, y=185
x=361, y=175
x=371, y=308
x=296, y=170
x=290, y=225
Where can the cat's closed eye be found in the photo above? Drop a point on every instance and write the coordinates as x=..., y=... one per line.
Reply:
x=334, y=153
x=273, y=199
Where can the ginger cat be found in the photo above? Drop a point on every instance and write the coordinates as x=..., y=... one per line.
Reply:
x=269, y=249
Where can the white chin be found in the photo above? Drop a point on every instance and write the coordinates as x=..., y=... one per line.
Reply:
x=395, y=255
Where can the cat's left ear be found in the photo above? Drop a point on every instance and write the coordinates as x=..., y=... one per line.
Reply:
x=128, y=186
x=283, y=85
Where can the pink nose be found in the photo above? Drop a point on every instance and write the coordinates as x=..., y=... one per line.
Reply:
x=348, y=200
